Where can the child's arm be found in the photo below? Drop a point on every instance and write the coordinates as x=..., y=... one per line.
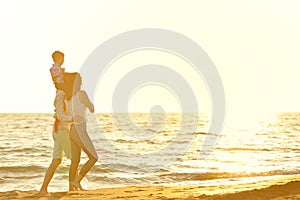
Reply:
x=85, y=100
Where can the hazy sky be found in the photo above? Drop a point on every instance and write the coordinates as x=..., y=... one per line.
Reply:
x=255, y=45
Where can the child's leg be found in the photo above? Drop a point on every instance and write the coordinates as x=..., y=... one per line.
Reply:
x=49, y=174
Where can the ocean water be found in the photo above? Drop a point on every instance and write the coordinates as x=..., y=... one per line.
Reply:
x=157, y=149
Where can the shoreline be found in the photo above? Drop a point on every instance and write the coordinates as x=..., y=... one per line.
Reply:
x=279, y=189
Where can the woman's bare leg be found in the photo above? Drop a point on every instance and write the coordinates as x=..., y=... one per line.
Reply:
x=93, y=157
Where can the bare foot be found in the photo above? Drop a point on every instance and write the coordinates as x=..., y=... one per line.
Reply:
x=77, y=186
x=72, y=187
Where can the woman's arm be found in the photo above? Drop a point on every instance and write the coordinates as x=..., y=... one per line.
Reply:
x=85, y=100
x=59, y=107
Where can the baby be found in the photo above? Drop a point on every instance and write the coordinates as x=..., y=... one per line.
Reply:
x=56, y=70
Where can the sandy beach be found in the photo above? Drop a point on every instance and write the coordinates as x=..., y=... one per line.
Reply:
x=280, y=188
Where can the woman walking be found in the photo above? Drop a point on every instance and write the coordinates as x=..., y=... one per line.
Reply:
x=77, y=103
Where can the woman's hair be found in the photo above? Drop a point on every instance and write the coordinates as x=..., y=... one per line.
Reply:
x=71, y=84
x=59, y=86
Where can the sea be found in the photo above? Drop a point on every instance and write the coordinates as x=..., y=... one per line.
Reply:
x=152, y=149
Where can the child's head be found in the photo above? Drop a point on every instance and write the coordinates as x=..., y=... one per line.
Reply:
x=58, y=57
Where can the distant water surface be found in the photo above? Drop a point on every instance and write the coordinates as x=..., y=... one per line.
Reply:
x=241, y=155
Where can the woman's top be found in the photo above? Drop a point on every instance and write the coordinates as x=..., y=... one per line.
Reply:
x=76, y=108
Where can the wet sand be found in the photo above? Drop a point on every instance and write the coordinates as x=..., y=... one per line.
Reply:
x=277, y=189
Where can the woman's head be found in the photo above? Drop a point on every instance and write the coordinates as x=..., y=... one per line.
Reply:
x=72, y=84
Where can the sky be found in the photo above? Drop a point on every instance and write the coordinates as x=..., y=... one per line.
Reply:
x=254, y=44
